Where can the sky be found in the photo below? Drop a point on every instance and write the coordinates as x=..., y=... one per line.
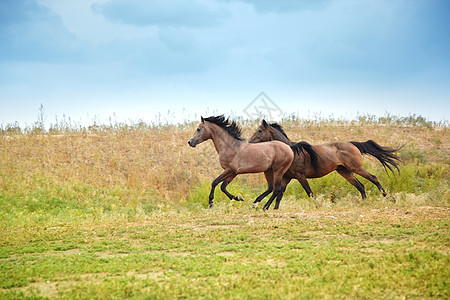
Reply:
x=172, y=61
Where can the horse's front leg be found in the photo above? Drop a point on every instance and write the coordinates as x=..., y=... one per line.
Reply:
x=263, y=195
x=223, y=187
x=215, y=182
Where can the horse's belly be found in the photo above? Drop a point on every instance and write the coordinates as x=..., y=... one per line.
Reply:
x=244, y=168
x=253, y=164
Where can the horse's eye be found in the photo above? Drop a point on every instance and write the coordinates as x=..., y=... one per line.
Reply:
x=259, y=130
x=198, y=129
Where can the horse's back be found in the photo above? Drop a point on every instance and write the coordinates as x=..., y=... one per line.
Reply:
x=334, y=148
x=276, y=149
x=338, y=153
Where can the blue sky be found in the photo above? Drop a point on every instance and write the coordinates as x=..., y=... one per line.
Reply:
x=133, y=60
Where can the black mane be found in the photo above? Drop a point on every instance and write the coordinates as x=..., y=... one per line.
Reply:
x=230, y=126
x=279, y=128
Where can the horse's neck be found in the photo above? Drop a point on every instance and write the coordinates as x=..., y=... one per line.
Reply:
x=278, y=136
x=222, y=140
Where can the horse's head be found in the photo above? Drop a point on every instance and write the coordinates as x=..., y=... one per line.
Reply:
x=264, y=133
x=201, y=134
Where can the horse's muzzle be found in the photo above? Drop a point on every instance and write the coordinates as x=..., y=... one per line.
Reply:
x=190, y=143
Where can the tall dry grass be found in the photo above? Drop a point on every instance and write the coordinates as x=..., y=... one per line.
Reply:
x=155, y=162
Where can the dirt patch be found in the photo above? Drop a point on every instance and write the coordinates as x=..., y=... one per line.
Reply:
x=206, y=228
x=46, y=288
x=111, y=254
x=226, y=253
x=151, y=275
x=70, y=252
x=276, y=263
x=51, y=289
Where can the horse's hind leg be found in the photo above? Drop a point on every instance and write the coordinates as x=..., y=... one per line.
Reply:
x=269, y=178
x=280, y=194
x=372, y=178
x=280, y=182
x=284, y=182
x=302, y=179
x=350, y=176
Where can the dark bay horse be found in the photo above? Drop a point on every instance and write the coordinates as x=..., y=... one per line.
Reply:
x=345, y=158
x=238, y=157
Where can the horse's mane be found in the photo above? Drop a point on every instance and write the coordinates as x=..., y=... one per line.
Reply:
x=229, y=126
x=279, y=128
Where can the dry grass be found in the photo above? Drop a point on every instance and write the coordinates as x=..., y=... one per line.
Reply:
x=158, y=160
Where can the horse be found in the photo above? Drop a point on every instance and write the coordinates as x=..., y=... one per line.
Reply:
x=344, y=158
x=238, y=157
x=296, y=170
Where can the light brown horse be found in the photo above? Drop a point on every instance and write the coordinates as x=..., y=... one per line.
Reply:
x=345, y=158
x=238, y=157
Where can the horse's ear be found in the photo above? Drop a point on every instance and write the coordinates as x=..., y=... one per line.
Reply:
x=203, y=120
x=264, y=123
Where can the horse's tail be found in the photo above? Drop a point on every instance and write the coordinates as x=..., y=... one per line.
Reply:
x=385, y=155
x=299, y=147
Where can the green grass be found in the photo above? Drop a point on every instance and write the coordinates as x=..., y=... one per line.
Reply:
x=234, y=252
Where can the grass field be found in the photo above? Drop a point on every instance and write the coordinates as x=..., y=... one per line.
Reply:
x=119, y=211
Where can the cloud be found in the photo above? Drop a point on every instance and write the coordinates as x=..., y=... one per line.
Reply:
x=265, y=6
x=177, y=13
x=20, y=11
x=31, y=32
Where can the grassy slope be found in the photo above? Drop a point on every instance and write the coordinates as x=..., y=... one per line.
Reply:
x=119, y=212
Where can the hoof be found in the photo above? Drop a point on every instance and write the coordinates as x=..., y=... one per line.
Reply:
x=239, y=198
x=211, y=205
x=392, y=199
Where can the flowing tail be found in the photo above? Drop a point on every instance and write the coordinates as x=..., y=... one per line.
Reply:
x=299, y=147
x=384, y=154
